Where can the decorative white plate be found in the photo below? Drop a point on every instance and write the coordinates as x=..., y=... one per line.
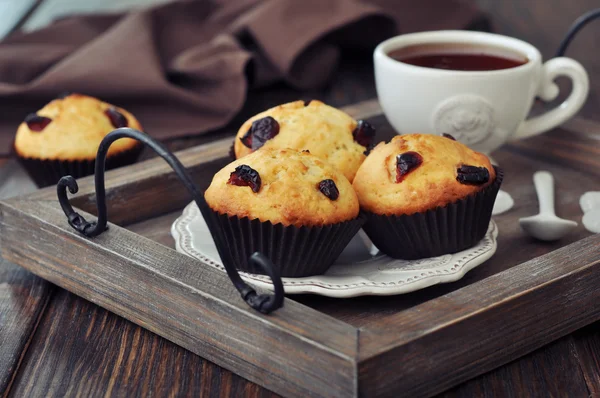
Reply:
x=355, y=273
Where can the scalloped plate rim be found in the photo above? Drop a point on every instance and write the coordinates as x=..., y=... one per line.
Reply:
x=315, y=284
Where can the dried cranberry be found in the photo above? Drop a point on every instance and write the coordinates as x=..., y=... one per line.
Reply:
x=449, y=136
x=407, y=162
x=36, y=122
x=328, y=188
x=116, y=118
x=472, y=175
x=261, y=131
x=245, y=176
x=364, y=133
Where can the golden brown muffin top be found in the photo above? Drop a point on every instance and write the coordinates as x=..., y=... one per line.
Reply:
x=325, y=131
x=76, y=126
x=386, y=185
x=295, y=188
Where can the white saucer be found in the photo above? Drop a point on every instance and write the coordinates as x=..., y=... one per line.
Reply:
x=355, y=273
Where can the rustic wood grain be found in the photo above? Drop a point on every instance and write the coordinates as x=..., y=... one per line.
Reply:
x=105, y=355
x=23, y=297
x=586, y=347
x=157, y=229
x=155, y=178
x=552, y=371
x=178, y=298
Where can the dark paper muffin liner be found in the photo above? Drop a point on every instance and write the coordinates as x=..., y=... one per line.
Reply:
x=46, y=172
x=443, y=230
x=295, y=251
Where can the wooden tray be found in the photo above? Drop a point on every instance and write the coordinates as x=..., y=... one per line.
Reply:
x=527, y=295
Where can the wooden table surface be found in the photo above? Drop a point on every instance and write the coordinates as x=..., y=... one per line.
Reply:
x=53, y=343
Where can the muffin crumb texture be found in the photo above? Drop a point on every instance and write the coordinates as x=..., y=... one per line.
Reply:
x=295, y=188
x=418, y=172
x=71, y=128
x=327, y=132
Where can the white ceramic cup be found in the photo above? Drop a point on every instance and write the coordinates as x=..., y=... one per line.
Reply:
x=482, y=109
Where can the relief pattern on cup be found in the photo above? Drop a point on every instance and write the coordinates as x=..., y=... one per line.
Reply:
x=468, y=118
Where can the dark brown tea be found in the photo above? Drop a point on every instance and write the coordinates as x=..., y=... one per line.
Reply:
x=456, y=56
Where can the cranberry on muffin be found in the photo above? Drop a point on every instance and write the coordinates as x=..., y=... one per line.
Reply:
x=326, y=132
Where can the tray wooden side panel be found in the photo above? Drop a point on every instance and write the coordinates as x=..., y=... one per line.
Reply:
x=297, y=351
x=23, y=299
x=434, y=346
x=148, y=188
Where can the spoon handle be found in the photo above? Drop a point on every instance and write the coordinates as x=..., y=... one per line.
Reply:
x=544, y=186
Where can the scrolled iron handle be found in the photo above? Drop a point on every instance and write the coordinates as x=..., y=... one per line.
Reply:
x=264, y=303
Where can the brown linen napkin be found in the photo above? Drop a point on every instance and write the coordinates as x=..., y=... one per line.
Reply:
x=185, y=67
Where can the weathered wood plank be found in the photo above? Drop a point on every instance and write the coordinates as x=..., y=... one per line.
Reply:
x=23, y=297
x=191, y=305
x=163, y=192
x=106, y=355
x=552, y=371
x=157, y=229
x=479, y=327
x=586, y=346
x=564, y=150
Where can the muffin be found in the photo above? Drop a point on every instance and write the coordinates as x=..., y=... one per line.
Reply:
x=63, y=137
x=326, y=132
x=426, y=195
x=291, y=206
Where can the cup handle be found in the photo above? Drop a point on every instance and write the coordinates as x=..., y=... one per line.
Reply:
x=548, y=90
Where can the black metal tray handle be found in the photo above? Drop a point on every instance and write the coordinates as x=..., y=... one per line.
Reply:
x=265, y=303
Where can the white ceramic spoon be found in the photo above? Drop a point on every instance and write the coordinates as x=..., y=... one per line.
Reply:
x=546, y=225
